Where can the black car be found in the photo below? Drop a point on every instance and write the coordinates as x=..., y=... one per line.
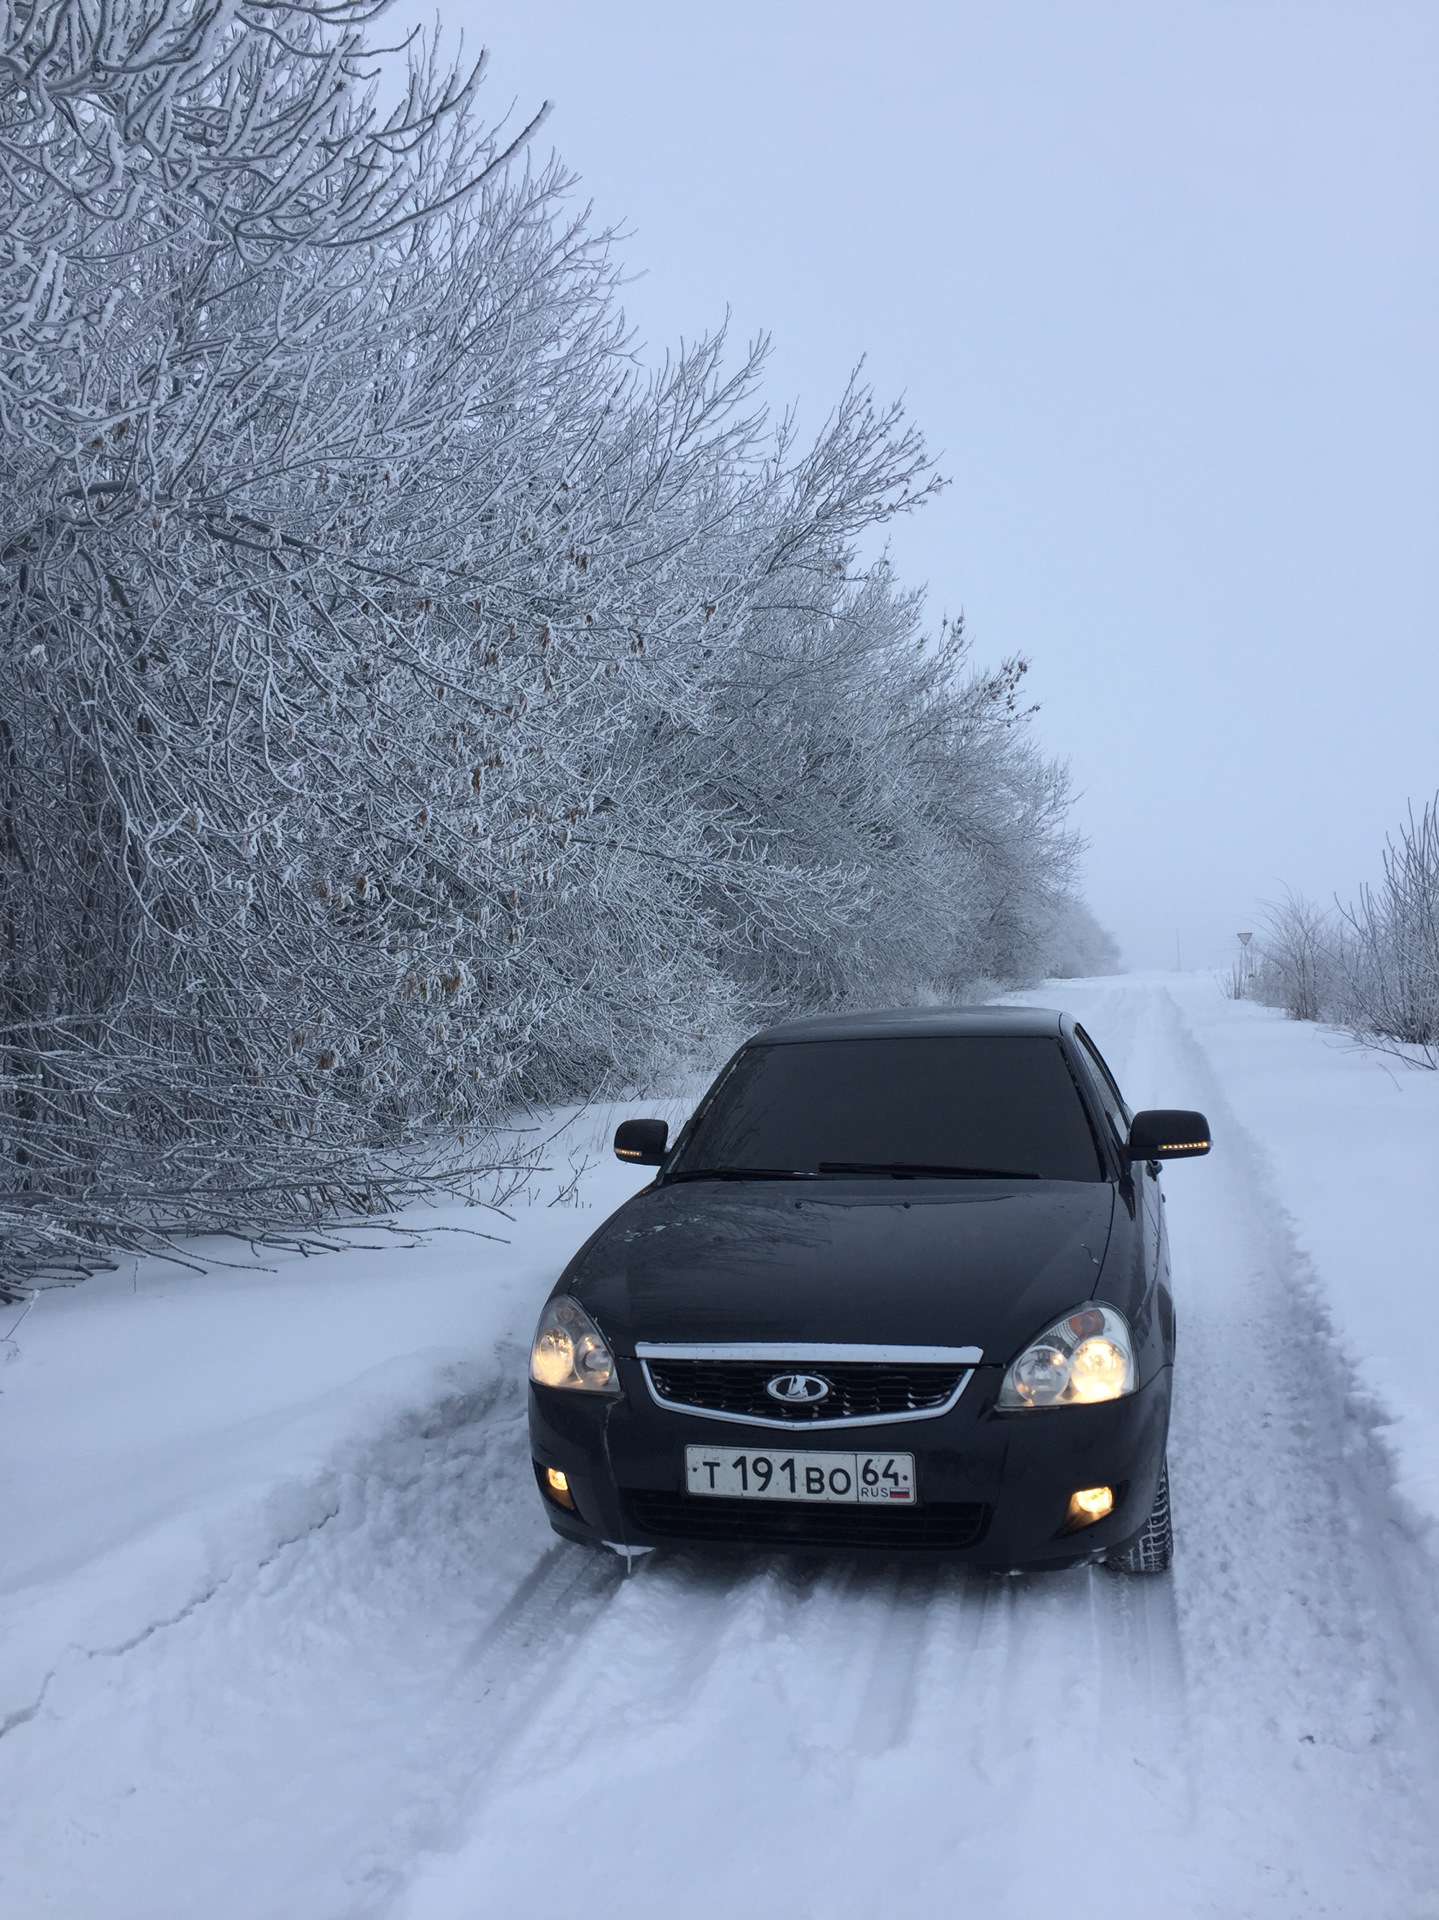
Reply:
x=901, y=1283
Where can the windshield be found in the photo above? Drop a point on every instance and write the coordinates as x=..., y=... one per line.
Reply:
x=952, y=1106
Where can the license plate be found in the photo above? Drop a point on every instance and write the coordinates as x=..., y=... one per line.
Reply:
x=743, y=1473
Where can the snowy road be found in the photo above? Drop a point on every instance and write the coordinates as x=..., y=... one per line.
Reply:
x=421, y=1706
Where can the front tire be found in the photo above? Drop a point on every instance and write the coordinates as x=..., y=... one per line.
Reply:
x=1154, y=1549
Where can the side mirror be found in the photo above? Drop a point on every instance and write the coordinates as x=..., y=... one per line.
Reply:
x=642, y=1142
x=1168, y=1133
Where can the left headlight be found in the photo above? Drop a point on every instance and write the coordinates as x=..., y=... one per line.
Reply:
x=570, y=1350
x=1085, y=1357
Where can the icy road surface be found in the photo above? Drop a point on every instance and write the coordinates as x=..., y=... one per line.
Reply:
x=418, y=1704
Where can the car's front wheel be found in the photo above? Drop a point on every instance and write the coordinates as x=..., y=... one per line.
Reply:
x=1154, y=1549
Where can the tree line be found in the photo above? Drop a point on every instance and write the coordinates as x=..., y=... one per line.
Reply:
x=415, y=706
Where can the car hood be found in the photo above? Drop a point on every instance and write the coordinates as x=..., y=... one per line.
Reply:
x=923, y=1263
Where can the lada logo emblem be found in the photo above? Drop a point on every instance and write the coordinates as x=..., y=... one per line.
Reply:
x=797, y=1389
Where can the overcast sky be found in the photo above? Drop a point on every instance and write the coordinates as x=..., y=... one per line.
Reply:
x=1158, y=281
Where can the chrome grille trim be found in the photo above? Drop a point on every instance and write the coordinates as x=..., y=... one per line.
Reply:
x=805, y=1352
x=794, y=1427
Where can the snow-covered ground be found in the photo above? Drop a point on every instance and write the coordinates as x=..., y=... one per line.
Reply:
x=284, y=1634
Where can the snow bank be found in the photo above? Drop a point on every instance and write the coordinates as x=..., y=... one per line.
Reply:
x=161, y=1429
x=1351, y=1141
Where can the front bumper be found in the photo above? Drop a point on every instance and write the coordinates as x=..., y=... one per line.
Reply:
x=993, y=1488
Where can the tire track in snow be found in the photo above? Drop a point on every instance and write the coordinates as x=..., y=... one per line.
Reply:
x=885, y=1709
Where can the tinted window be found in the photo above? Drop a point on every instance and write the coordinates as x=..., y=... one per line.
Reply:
x=992, y=1102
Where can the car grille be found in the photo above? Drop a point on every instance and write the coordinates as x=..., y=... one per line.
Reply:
x=773, y=1523
x=859, y=1389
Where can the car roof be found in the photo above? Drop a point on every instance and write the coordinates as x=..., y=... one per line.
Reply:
x=916, y=1023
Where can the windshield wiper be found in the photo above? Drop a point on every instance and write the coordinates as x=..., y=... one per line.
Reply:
x=917, y=1170
x=742, y=1173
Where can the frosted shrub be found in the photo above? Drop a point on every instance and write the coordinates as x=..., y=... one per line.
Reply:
x=1393, y=934
x=1301, y=962
x=1373, y=966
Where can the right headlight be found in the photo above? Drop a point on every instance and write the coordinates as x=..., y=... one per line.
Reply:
x=570, y=1350
x=1085, y=1357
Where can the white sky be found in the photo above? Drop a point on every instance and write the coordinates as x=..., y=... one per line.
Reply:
x=1159, y=283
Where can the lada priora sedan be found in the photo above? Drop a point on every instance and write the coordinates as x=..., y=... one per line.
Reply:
x=901, y=1283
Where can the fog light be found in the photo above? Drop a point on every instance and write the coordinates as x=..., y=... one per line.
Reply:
x=557, y=1485
x=1090, y=1504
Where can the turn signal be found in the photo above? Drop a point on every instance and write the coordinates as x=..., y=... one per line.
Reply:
x=1090, y=1504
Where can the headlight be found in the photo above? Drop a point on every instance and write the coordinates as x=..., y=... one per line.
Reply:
x=1085, y=1357
x=570, y=1351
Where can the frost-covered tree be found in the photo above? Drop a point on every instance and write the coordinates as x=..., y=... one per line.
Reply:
x=411, y=706
x=1075, y=944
